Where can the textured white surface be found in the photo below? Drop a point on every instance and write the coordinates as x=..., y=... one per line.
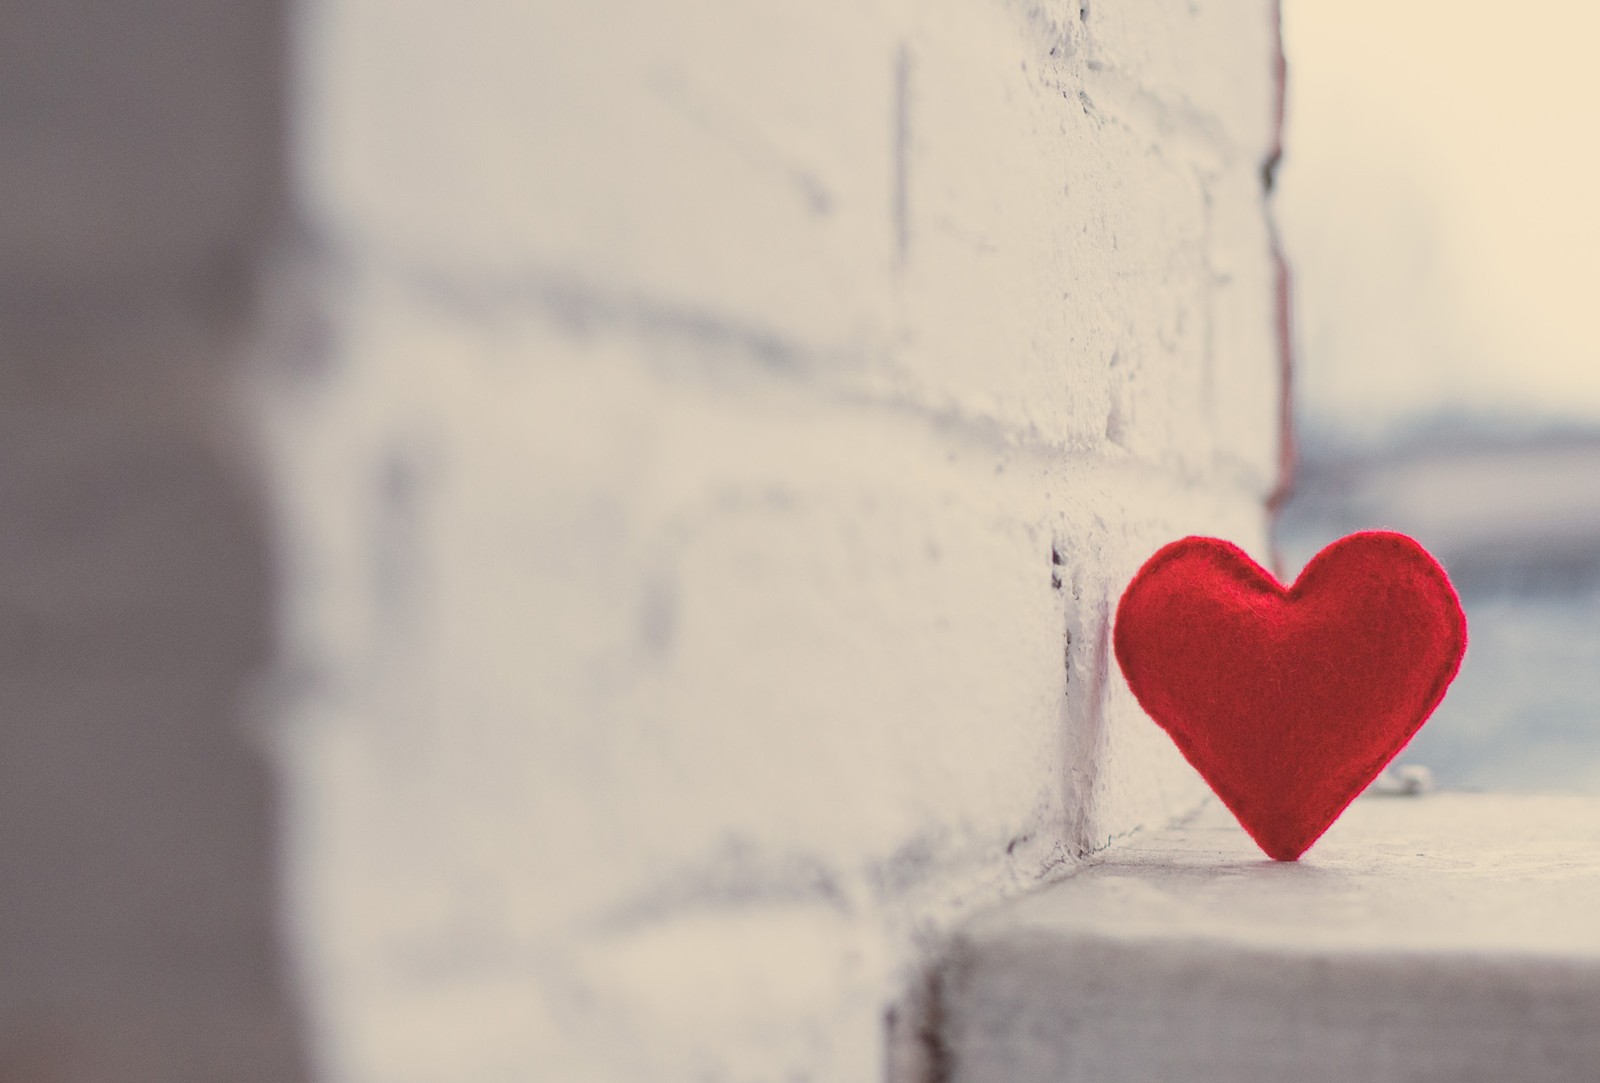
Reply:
x=734, y=428
x=1450, y=936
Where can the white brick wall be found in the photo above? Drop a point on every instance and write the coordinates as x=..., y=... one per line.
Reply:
x=704, y=390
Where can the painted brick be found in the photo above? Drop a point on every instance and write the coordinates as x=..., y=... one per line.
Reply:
x=705, y=155
x=807, y=672
x=913, y=227
x=1247, y=367
x=701, y=526
x=1213, y=60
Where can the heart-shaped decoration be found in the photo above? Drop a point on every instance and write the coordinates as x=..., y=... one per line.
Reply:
x=1289, y=701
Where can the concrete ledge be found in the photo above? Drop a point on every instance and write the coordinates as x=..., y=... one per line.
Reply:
x=1443, y=937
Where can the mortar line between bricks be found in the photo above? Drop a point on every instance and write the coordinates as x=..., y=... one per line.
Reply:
x=580, y=308
x=1142, y=111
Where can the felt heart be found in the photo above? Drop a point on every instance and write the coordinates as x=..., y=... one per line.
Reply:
x=1290, y=701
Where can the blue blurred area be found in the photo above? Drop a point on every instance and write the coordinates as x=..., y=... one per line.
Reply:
x=1512, y=509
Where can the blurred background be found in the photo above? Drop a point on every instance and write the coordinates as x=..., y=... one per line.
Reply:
x=1437, y=203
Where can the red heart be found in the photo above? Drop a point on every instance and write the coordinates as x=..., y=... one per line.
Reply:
x=1290, y=701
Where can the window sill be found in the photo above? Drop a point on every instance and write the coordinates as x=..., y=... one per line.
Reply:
x=1448, y=936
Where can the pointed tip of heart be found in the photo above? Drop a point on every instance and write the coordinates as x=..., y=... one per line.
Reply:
x=1277, y=841
x=1283, y=853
